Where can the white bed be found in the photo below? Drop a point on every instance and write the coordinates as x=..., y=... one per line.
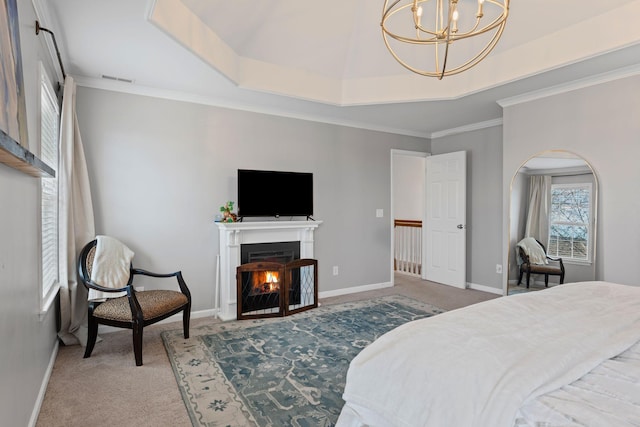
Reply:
x=566, y=356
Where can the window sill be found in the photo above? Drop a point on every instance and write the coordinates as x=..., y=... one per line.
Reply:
x=16, y=156
x=576, y=262
x=47, y=301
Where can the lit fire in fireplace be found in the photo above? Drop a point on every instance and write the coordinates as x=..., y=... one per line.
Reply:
x=265, y=282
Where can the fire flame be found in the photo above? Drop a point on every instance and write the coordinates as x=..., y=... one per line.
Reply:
x=264, y=282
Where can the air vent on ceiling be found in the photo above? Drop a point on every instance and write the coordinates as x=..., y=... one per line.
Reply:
x=117, y=79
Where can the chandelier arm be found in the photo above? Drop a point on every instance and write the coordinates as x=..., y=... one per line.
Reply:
x=426, y=30
x=388, y=12
x=480, y=56
x=409, y=40
x=495, y=23
x=437, y=57
x=471, y=31
x=447, y=44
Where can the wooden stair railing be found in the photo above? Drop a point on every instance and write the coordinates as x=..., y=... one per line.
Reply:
x=408, y=246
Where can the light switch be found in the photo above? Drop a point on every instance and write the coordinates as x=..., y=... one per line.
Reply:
x=379, y=213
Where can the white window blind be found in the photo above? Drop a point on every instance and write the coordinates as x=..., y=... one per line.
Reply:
x=49, y=134
x=570, y=222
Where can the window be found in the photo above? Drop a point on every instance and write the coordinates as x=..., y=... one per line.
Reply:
x=49, y=134
x=570, y=222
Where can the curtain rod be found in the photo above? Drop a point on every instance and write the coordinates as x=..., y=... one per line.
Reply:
x=55, y=45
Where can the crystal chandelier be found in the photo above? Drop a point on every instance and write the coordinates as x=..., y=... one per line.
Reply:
x=411, y=28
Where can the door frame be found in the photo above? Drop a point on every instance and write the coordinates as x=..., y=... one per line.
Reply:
x=395, y=153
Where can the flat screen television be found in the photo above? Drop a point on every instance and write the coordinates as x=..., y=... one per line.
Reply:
x=264, y=193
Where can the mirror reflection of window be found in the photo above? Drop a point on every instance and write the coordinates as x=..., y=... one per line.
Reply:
x=570, y=221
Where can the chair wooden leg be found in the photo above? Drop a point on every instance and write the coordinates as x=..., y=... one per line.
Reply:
x=528, y=276
x=92, y=335
x=546, y=280
x=186, y=315
x=137, y=343
x=520, y=278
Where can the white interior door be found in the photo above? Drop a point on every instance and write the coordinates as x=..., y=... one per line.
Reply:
x=445, y=233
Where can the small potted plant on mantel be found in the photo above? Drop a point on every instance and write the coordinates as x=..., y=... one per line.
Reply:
x=227, y=215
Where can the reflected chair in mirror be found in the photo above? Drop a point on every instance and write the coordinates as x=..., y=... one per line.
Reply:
x=135, y=310
x=554, y=267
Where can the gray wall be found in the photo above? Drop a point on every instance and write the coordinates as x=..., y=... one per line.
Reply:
x=484, y=200
x=27, y=341
x=601, y=124
x=160, y=169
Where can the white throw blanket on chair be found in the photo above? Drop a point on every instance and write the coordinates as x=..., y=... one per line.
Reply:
x=533, y=249
x=110, y=267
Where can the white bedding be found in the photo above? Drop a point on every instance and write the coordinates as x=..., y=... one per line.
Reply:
x=479, y=365
x=607, y=396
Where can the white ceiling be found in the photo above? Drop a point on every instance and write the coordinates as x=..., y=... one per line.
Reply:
x=327, y=62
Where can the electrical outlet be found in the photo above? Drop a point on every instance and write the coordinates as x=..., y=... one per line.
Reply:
x=499, y=268
x=335, y=270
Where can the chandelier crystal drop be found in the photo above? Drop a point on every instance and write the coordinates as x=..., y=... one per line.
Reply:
x=442, y=37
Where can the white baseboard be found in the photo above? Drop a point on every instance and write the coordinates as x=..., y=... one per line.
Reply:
x=227, y=318
x=212, y=312
x=354, y=290
x=484, y=288
x=43, y=387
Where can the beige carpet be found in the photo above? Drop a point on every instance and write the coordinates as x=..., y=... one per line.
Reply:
x=109, y=390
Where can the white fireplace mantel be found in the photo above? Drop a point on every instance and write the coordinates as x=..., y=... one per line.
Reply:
x=233, y=234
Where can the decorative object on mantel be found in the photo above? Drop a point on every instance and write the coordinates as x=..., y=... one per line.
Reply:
x=227, y=215
x=423, y=29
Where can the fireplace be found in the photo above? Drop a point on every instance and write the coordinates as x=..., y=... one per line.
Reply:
x=272, y=280
x=260, y=290
x=232, y=236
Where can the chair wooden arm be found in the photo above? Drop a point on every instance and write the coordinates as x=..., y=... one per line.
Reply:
x=151, y=273
x=554, y=258
x=178, y=275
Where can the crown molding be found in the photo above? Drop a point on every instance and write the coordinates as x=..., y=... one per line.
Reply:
x=134, y=89
x=609, y=76
x=467, y=128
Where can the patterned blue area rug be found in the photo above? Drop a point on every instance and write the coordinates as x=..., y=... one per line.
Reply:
x=280, y=372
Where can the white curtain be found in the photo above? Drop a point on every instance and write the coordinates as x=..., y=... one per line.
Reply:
x=76, y=224
x=538, y=212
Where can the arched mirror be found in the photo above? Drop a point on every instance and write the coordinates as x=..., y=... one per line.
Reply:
x=553, y=207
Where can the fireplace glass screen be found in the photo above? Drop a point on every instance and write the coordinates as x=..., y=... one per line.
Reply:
x=270, y=289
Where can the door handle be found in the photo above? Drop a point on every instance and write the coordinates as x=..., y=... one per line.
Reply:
x=460, y=226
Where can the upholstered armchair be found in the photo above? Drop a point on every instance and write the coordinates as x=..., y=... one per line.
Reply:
x=136, y=309
x=548, y=265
